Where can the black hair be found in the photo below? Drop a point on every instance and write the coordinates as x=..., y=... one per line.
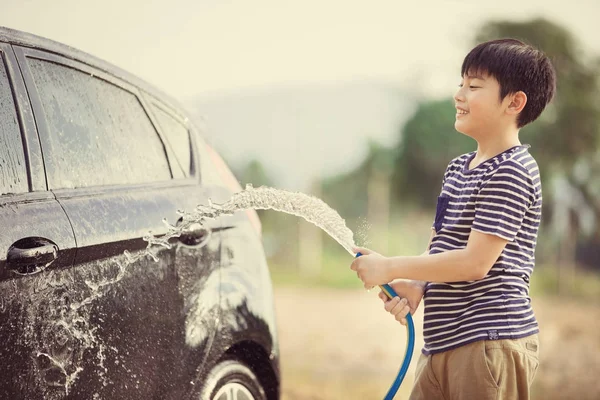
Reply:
x=517, y=67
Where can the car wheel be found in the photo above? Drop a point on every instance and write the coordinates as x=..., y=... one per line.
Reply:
x=232, y=380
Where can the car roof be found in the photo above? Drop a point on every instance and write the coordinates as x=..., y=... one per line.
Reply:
x=25, y=39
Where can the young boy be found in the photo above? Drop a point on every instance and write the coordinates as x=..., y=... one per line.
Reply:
x=479, y=329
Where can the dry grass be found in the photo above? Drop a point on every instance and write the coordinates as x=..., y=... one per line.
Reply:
x=340, y=344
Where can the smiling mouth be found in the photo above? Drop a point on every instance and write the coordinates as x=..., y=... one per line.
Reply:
x=461, y=112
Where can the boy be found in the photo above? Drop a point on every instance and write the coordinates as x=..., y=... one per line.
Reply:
x=479, y=329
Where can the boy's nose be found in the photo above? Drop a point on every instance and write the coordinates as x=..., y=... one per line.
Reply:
x=458, y=96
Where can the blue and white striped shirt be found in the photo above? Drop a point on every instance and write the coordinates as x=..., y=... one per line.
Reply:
x=501, y=196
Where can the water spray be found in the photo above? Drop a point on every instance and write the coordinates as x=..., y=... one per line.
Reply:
x=317, y=212
x=308, y=207
x=313, y=210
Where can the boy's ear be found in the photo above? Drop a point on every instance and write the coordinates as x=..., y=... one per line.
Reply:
x=517, y=103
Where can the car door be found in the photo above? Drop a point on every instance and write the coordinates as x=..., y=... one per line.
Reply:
x=116, y=177
x=36, y=246
x=198, y=252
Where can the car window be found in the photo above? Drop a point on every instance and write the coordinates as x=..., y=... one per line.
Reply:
x=178, y=137
x=98, y=133
x=13, y=173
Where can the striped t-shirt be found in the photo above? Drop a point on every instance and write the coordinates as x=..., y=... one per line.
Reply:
x=501, y=196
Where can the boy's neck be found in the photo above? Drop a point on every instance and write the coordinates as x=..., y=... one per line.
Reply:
x=491, y=146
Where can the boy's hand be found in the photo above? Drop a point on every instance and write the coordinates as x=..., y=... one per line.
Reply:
x=410, y=292
x=371, y=267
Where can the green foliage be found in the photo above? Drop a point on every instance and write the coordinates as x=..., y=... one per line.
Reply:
x=347, y=193
x=581, y=284
x=253, y=173
x=428, y=143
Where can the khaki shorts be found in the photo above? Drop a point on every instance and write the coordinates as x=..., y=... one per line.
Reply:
x=482, y=370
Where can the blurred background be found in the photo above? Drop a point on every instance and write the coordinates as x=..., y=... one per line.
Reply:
x=351, y=101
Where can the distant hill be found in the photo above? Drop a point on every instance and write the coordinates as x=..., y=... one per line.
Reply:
x=300, y=132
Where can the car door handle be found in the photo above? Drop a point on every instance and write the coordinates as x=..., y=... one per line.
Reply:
x=195, y=236
x=31, y=255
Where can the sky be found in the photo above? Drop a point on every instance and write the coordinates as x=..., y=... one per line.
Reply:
x=274, y=76
x=187, y=47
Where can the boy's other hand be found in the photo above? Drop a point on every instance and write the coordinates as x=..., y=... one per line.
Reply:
x=409, y=297
x=371, y=267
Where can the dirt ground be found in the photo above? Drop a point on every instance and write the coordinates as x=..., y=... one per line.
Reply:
x=341, y=344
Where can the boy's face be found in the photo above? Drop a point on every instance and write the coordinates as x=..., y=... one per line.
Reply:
x=479, y=111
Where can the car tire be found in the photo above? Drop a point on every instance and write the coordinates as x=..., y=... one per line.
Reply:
x=232, y=380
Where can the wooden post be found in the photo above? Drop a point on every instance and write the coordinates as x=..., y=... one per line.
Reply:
x=568, y=258
x=378, y=208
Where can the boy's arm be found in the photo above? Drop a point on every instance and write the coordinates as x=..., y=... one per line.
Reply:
x=468, y=264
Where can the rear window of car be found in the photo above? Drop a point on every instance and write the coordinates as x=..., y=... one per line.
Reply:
x=177, y=135
x=98, y=133
x=13, y=173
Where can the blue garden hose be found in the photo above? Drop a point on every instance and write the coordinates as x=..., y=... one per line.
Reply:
x=410, y=344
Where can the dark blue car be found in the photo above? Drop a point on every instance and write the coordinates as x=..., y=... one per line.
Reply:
x=92, y=160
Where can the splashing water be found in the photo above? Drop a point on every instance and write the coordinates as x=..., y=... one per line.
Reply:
x=72, y=322
x=312, y=209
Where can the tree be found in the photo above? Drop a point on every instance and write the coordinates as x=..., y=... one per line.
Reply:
x=428, y=143
x=347, y=193
x=254, y=173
